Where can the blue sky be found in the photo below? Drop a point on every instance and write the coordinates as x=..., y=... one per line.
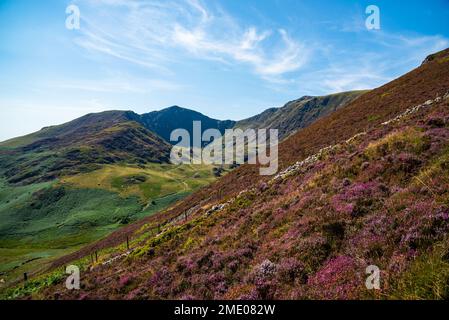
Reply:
x=228, y=59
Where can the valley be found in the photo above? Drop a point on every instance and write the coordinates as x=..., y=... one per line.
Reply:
x=43, y=221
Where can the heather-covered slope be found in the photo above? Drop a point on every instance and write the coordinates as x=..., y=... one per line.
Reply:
x=298, y=114
x=380, y=198
x=371, y=109
x=366, y=185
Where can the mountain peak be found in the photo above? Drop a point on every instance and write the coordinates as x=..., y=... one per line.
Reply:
x=163, y=122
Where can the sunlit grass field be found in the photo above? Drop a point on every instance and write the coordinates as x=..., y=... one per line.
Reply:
x=149, y=183
x=40, y=222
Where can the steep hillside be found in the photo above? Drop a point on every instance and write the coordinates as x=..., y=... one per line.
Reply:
x=299, y=114
x=378, y=105
x=367, y=185
x=73, y=132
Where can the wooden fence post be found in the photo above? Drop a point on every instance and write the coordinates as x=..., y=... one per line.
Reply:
x=25, y=277
x=96, y=256
x=127, y=242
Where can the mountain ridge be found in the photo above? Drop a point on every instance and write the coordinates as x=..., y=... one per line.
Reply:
x=298, y=114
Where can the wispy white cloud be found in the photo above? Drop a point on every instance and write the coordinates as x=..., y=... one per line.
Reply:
x=376, y=59
x=155, y=33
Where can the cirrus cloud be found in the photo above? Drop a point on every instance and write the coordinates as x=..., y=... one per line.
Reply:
x=154, y=34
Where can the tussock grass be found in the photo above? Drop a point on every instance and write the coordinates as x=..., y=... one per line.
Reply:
x=427, y=278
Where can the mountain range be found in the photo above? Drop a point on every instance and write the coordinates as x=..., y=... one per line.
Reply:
x=86, y=143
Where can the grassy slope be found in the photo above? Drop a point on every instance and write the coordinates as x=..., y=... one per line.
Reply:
x=40, y=222
x=158, y=180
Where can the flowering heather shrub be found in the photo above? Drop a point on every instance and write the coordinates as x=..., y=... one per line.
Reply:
x=161, y=282
x=205, y=261
x=263, y=278
x=371, y=241
x=136, y=294
x=374, y=170
x=290, y=269
x=439, y=138
x=437, y=120
x=186, y=265
x=364, y=189
x=313, y=250
x=125, y=281
x=263, y=187
x=359, y=198
x=406, y=162
x=340, y=278
x=233, y=266
x=428, y=223
x=398, y=262
x=266, y=269
x=83, y=296
x=438, y=135
x=202, y=285
x=246, y=252
x=346, y=182
x=341, y=206
x=306, y=200
x=252, y=295
x=188, y=297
